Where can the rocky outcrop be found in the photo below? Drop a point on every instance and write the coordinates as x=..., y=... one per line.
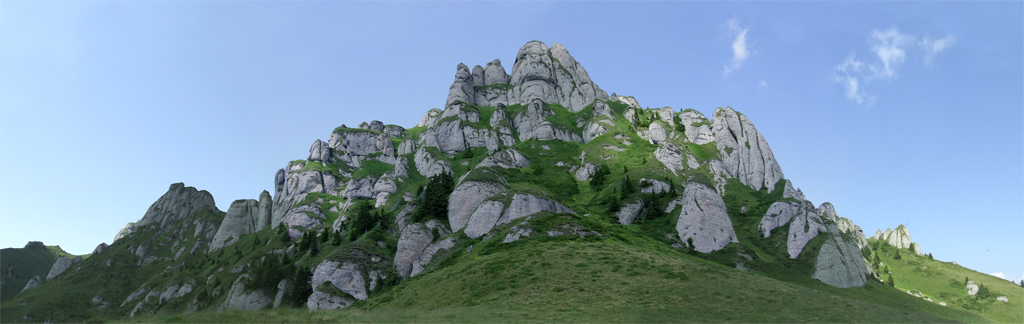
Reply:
x=658, y=133
x=899, y=238
x=466, y=198
x=839, y=262
x=972, y=288
x=177, y=204
x=32, y=283
x=744, y=153
x=551, y=75
x=243, y=217
x=697, y=128
x=916, y=248
x=414, y=239
x=238, y=298
x=100, y=248
x=484, y=218
x=507, y=159
x=532, y=123
x=125, y=231
x=704, y=219
x=428, y=254
x=654, y=186
x=671, y=156
x=523, y=205
x=346, y=277
x=429, y=166
x=430, y=117
x=628, y=213
x=326, y=301
x=62, y=263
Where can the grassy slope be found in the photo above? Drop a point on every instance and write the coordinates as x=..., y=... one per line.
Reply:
x=944, y=282
x=27, y=263
x=598, y=281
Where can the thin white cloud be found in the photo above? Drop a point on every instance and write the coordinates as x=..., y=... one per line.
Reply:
x=933, y=47
x=848, y=74
x=739, y=46
x=763, y=84
x=890, y=47
x=999, y=275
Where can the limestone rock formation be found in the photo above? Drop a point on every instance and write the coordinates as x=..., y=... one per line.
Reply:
x=428, y=254
x=128, y=229
x=916, y=247
x=63, y=263
x=243, y=217
x=414, y=239
x=32, y=283
x=523, y=205
x=628, y=213
x=751, y=160
x=484, y=218
x=238, y=298
x=900, y=237
x=177, y=204
x=466, y=198
x=839, y=262
x=507, y=159
x=346, y=277
x=804, y=223
x=552, y=75
x=704, y=219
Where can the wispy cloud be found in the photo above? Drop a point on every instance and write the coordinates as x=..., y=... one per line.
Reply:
x=847, y=74
x=999, y=275
x=891, y=49
x=739, y=46
x=762, y=84
x=936, y=46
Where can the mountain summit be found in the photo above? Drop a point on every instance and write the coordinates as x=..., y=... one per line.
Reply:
x=519, y=174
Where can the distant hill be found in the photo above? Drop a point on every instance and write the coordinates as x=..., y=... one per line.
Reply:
x=20, y=265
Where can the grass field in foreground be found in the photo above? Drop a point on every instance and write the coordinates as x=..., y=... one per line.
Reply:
x=603, y=281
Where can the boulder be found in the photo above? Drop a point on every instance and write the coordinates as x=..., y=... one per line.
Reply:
x=507, y=159
x=466, y=197
x=428, y=253
x=327, y=301
x=593, y=130
x=751, y=160
x=701, y=133
x=658, y=134
x=283, y=288
x=628, y=213
x=704, y=219
x=972, y=288
x=238, y=298
x=414, y=239
x=430, y=117
x=347, y=277
x=523, y=205
x=428, y=166
x=484, y=218
x=584, y=172
x=32, y=283
x=671, y=156
x=654, y=186
x=839, y=262
x=62, y=263
x=916, y=247
x=100, y=248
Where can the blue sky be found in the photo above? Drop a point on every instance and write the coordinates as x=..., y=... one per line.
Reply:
x=104, y=104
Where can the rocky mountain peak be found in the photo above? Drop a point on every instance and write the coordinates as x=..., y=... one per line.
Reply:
x=539, y=72
x=178, y=203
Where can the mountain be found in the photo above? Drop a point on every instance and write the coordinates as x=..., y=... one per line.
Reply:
x=534, y=196
x=24, y=265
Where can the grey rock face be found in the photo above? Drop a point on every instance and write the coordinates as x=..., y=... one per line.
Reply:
x=792, y=193
x=584, y=172
x=128, y=229
x=484, y=218
x=347, y=277
x=700, y=134
x=266, y=211
x=322, y=300
x=972, y=288
x=551, y=75
x=593, y=130
x=523, y=205
x=532, y=123
x=515, y=233
x=654, y=186
x=878, y=234
x=628, y=213
x=751, y=160
x=241, y=219
x=414, y=239
x=900, y=237
x=804, y=224
x=428, y=166
x=462, y=88
x=178, y=203
x=63, y=263
x=466, y=197
x=658, y=134
x=32, y=283
x=704, y=219
x=100, y=248
x=430, y=117
x=428, y=253
x=283, y=288
x=916, y=247
x=839, y=263
x=671, y=156
x=237, y=298
x=507, y=159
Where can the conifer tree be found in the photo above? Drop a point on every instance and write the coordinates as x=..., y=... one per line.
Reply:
x=890, y=282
